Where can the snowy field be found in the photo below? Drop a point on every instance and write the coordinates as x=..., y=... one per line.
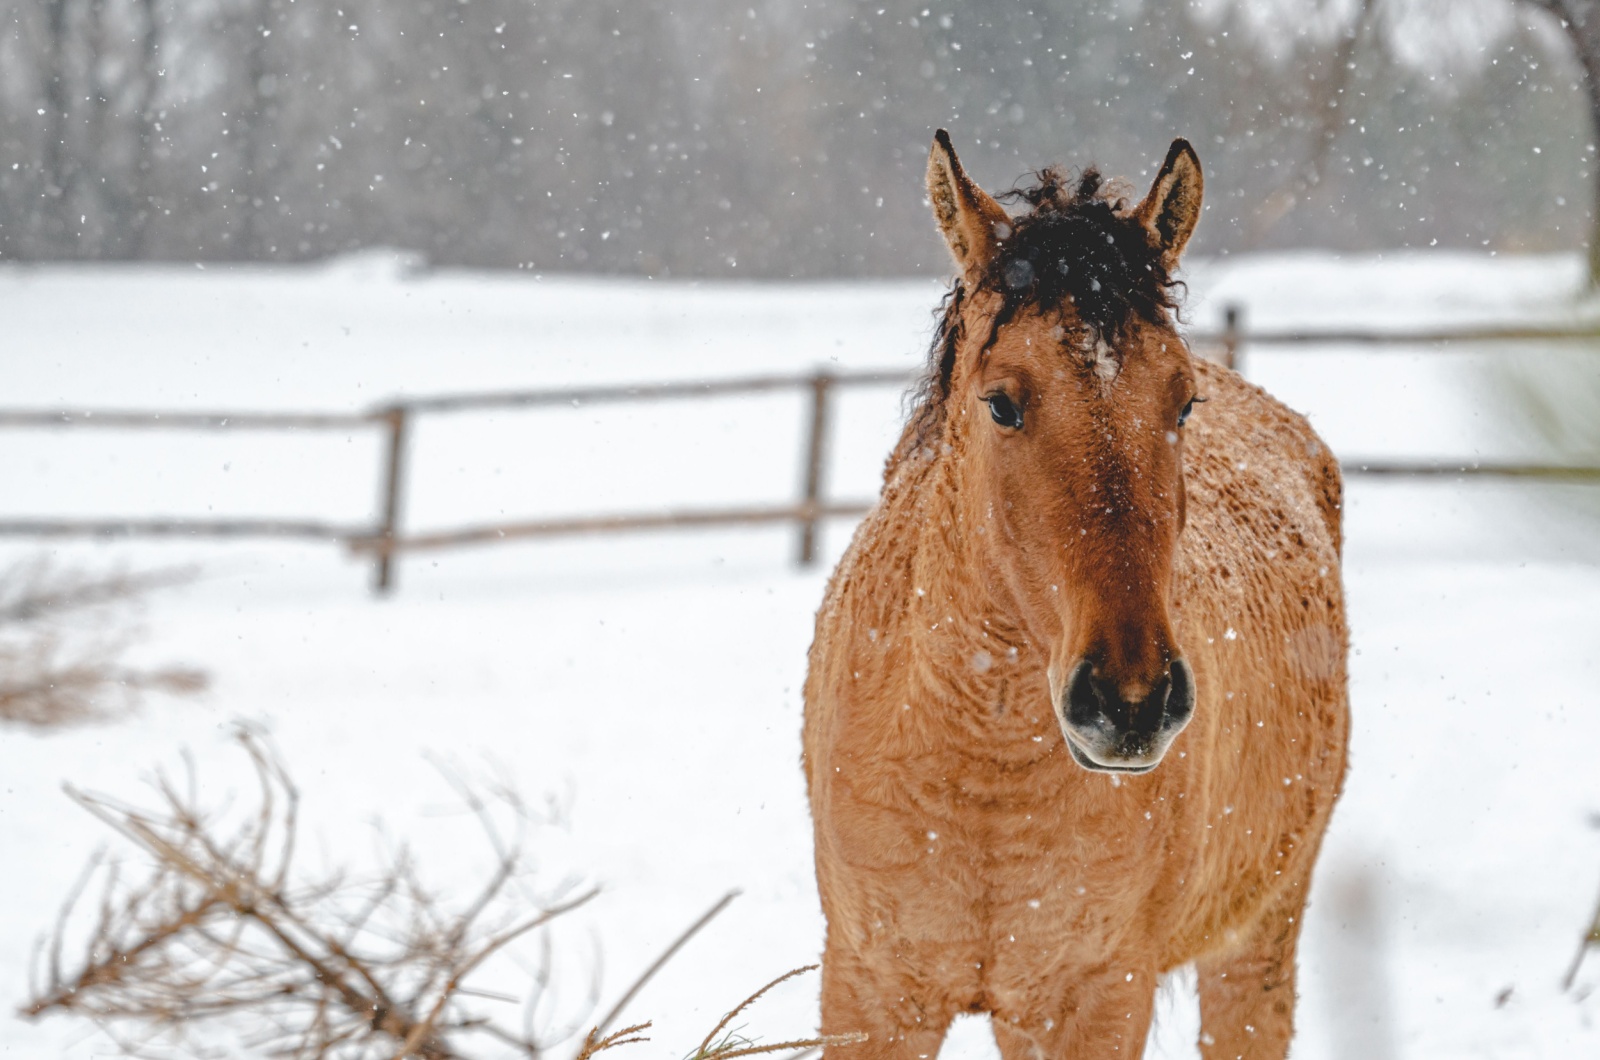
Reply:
x=650, y=684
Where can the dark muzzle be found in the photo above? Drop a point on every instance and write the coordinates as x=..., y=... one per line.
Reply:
x=1109, y=734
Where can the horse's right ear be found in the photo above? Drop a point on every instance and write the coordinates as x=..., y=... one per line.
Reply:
x=972, y=223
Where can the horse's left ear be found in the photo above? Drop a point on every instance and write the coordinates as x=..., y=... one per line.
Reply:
x=1172, y=208
x=972, y=223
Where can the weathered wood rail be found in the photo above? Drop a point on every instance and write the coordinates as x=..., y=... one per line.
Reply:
x=384, y=541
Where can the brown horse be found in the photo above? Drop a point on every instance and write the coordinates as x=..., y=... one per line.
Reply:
x=1076, y=711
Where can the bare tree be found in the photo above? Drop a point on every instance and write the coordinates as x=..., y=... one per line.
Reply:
x=253, y=125
x=56, y=163
x=1329, y=101
x=137, y=202
x=706, y=138
x=1580, y=22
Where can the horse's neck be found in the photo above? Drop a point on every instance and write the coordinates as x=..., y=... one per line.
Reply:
x=971, y=669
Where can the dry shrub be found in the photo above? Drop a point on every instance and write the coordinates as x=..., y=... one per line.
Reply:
x=63, y=639
x=225, y=933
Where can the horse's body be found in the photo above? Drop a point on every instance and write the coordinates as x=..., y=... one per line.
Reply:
x=967, y=862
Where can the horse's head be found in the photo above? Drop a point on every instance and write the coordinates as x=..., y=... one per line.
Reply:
x=1061, y=388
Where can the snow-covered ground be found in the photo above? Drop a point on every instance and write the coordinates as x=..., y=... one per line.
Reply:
x=651, y=683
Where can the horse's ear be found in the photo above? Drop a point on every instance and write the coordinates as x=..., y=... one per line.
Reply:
x=973, y=224
x=1172, y=208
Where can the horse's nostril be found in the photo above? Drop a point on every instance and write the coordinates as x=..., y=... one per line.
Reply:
x=1093, y=703
x=1156, y=702
x=1086, y=702
x=1180, y=696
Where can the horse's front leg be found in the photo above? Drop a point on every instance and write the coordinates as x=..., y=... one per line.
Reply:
x=1247, y=996
x=1104, y=1014
x=867, y=994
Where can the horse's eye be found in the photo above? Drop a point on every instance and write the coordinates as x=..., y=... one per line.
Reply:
x=1005, y=411
x=1183, y=416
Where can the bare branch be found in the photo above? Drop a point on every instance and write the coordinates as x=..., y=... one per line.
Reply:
x=224, y=930
x=719, y=1045
x=666, y=955
x=1590, y=940
x=594, y=1043
x=705, y=1046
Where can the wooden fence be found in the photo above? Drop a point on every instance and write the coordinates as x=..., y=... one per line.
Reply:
x=384, y=539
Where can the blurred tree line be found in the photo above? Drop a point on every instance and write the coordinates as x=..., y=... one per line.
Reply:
x=764, y=138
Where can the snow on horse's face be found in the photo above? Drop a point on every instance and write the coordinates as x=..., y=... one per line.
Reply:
x=1066, y=396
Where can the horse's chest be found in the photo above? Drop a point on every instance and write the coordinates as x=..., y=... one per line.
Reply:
x=1008, y=862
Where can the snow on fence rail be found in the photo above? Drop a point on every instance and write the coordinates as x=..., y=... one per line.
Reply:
x=384, y=540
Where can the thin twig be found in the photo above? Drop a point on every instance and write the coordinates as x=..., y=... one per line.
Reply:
x=705, y=1046
x=1591, y=938
x=426, y=1024
x=593, y=1043
x=666, y=955
x=807, y=1044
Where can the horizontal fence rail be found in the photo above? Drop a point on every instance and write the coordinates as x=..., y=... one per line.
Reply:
x=383, y=542
x=1425, y=337
x=605, y=524
x=1229, y=343
x=178, y=527
x=121, y=419
x=1549, y=472
x=598, y=395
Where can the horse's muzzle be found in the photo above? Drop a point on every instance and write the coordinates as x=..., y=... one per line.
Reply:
x=1107, y=734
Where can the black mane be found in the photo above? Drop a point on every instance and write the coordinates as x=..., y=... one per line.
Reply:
x=1078, y=245
x=1074, y=244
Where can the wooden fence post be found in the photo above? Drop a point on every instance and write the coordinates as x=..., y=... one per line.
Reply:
x=396, y=417
x=1233, y=337
x=816, y=457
